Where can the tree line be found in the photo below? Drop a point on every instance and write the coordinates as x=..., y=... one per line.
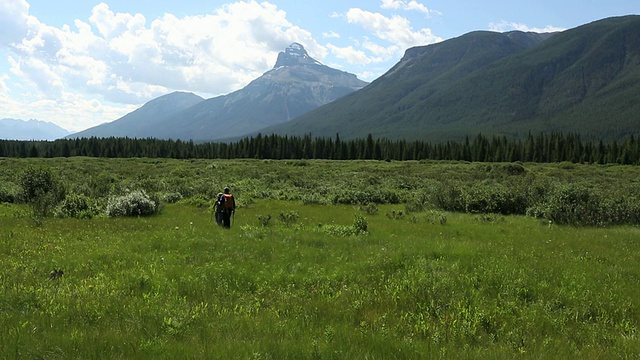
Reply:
x=542, y=148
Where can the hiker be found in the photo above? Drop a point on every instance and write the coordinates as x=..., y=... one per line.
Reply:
x=218, y=209
x=228, y=204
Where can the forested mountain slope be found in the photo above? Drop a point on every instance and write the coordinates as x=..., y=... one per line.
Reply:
x=584, y=80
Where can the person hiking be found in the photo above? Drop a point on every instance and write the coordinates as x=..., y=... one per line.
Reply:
x=228, y=204
x=218, y=209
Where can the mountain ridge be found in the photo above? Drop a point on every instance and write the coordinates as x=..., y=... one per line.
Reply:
x=296, y=84
x=17, y=129
x=136, y=123
x=433, y=95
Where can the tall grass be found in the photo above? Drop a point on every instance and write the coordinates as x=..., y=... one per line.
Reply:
x=177, y=286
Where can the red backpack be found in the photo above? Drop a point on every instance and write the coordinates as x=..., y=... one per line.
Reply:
x=228, y=201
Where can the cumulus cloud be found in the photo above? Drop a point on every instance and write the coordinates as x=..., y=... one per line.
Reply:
x=405, y=5
x=330, y=34
x=504, y=26
x=101, y=67
x=352, y=55
x=14, y=21
x=126, y=59
x=395, y=29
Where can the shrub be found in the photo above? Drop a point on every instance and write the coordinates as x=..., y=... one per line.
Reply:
x=75, y=206
x=136, y=203
x=170, y=197
x=494, y=198
x=420, y=204
x=9, y=192
x=436, y=217
x=264, y=220
x=369, y=209
x=395, y=215
x=448, y=197
x=570, y=204
x=40, y=190
x=360, y=225
x=378, y=196
x=289, y=218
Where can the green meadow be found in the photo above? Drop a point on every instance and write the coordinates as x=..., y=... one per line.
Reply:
x=324, y=260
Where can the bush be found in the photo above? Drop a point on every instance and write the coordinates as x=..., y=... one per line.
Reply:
x=170, y=197
x=369, y=209
x=360, y=225
x=75, y=206
x=289, y=218
x=570, y=204
x=354, y=197
x=9, y=192
x=136, y=203
x=264, y=220
x=448, y=197
x=494, y=199
x=40, y=190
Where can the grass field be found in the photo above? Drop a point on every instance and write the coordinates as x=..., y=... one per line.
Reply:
x=414, y=285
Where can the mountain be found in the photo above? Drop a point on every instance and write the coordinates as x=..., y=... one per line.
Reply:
x=13, y=129
x=295, y=85
x=140, y=123
x=584, y=80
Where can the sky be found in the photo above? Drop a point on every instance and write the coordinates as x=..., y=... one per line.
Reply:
x=80, y=63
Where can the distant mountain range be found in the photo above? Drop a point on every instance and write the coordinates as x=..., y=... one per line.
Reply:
x=14, y=129
x=146, y=121
x=296, y=84
x=584, y=80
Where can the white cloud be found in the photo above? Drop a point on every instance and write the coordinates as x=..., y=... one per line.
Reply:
x=14, y=20
x=121, y=58
x=396, y=29
x=505, y=26
x=102, y=67
x=331, y=35
x=5, y=91
x=352, y=55
x=405, y=5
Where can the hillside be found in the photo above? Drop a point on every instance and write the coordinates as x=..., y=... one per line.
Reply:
x=14, y=129
x=137, y=123
x=582, y=80
x=295, y=85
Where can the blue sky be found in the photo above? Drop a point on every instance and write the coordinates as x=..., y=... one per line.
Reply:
x=79, y=63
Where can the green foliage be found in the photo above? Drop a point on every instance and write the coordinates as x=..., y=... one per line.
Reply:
x=360, y=225
x=369, y=208
x=165, y=286
x=289, y=218
x=76, y=206
x=576, y=204
x=135, y=203
x=264, y=220
x=435, y=217
x=478, y=188
x=40, y=190
x=375, y=195
x=427, y=283
x=481, y=82
x=512, y=152
x=9, y=192
x=395, y=214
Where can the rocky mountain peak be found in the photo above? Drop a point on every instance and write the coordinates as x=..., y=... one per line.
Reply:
x=294, y=54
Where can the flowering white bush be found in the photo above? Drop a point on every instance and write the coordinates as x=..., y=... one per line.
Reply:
x=135, y=203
